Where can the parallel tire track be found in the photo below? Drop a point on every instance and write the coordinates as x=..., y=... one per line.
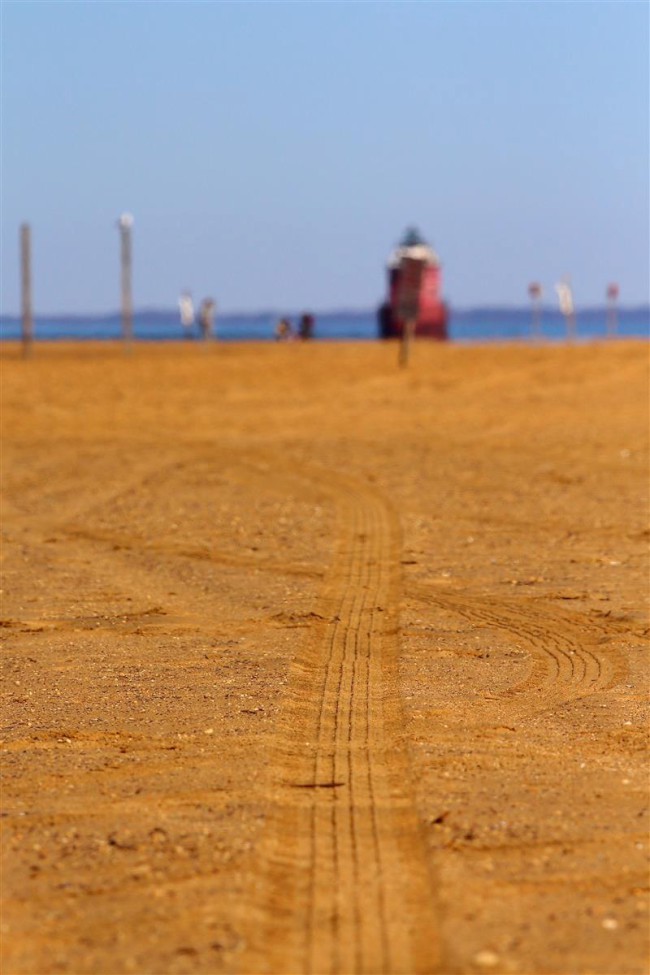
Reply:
x=347, y=889
x=567, y=663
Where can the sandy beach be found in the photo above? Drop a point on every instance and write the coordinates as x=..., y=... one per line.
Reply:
x=316, y=665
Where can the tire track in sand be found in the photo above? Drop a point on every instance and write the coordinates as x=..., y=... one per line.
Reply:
x=568, y=661
x=346, y=887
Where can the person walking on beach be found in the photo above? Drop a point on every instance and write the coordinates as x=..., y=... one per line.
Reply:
x=306, y=330
x=186, y=308
x=206, y=318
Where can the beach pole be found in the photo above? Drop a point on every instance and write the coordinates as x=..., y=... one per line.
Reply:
x=535, y=292
x=612, y=310
x=408, y=305
x=125, y=223
x=26, y=288
x=408, y=331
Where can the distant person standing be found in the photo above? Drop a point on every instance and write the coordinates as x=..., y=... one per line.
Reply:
x=206, y=318
x=186, y=308
x=283, y=330
x=306, y=330
x=385, y=320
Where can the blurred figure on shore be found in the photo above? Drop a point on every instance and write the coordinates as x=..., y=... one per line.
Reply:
x=207, y=313
x=306, y=330
x=186, y=308
x=283, y=330
x=384, y=320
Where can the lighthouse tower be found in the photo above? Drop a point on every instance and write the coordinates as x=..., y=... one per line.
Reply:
x=432, y=314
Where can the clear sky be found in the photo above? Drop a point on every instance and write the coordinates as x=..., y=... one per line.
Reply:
x=272, y=153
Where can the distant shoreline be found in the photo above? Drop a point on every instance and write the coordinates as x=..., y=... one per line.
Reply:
x=471, y=312
x=476, y=325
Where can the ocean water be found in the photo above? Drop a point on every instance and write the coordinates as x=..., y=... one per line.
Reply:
x=474, y=325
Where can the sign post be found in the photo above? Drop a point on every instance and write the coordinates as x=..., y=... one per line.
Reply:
x=612, y=310
x=26, y=287
x=408, y=304
x=535, y=292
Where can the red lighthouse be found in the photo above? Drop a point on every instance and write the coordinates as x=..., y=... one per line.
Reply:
x=432, y=314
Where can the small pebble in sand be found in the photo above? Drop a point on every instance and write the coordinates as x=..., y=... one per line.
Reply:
x=487, y=959
x=610, y=923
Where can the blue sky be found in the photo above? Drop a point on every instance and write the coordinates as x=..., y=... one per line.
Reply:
x=272, y=153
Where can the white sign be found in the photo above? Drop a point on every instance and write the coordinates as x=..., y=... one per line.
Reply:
x=565, y=296
x=186, y=306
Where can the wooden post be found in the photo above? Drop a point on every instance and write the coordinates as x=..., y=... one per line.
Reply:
x=535, y=292
x=572, y=326
x=408, y=306
x=612, y=310
x=26, y=287
x=408, y=331
x=125, y=224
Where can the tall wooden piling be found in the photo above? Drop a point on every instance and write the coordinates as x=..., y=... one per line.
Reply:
x=408, y=306
x=26, y=288
x=612, y=310
x=125, y=223
x=535, y=293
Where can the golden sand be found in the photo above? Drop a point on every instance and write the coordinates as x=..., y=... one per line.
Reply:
x=315, y=664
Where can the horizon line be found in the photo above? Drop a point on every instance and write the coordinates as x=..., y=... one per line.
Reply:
x=274, y=312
